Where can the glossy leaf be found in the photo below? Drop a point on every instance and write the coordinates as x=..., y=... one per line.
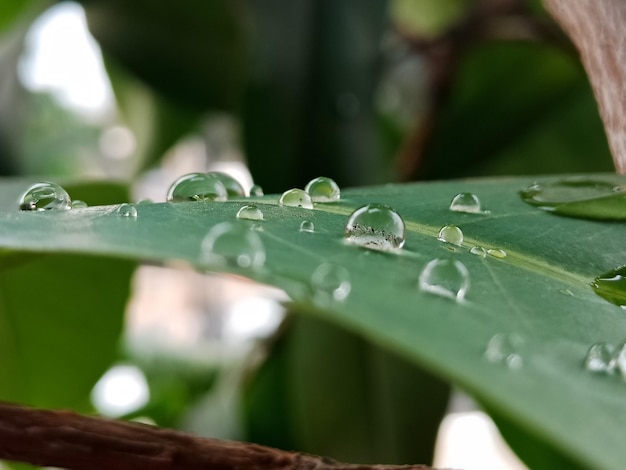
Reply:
x=540, y=290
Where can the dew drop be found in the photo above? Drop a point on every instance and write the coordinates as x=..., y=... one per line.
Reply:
x=256, y=190
x=78, y=204
x=250, y=212
x=611, y=286
x=505, y=349
x=231, y=244
x=44, y=197
x=451, y=234
x=323, y=189
x=330, y=282
x=375, y=226
x=466, y=202
x=197, y=187
x=496, y=253
x=478, y=251
x=145, y=201
x=296, y=198
x=127, y=210
x=446, y=278
x=233, y=187
x=307, y=226
x=600, y=358
x=619, y=359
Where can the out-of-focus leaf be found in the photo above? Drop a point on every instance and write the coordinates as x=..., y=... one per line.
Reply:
x=60, y=321
x=425, y=17
x=380, y=407
x=309, y=107
x=517, y=108
x=193, y=52
x=13, y=10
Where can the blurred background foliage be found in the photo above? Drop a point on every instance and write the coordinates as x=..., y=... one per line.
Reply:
x=364, y=92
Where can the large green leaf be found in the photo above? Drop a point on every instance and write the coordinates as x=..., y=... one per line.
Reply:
x=540, y=290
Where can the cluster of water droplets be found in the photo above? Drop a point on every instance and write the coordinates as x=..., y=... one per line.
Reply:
x=606, y=359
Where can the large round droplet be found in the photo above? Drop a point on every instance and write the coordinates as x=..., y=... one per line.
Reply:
x=127, y=210
x=505, y=349
x=233, y=245
x=446, y=278
x=600, y=358
x=233, y=187
x=250, y=212
x=45, y=197
x=611, y=286
x=197, y=187
x=296, y=198
x=466, y=202
x=307, y=226
x=256, y=190
x=330, y=282
x=375, y=226
x=451, y=234
x=323, y=189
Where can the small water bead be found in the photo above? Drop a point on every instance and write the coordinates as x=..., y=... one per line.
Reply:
x=446, y=278
x=451, y=234
x=127, y=210
x=233, y=187
x=611, y=286
x=296, y=198
x=375, y=226
x=250, y=212
x=45, y=196
x=145, y=201
x=600, y=358
x=78, y=204
x=323, y=189
x=496, y=253
x=466, y=202
x=478, y=251
x=307, y=226
x=197, y=187
x=233, y=245
x=505, y=349
x=256, y=190
x=330, y=282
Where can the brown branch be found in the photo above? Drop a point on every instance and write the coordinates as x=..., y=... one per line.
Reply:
x=598, y=29
x=66, y=439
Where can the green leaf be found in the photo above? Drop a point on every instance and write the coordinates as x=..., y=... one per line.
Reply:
x=540, y=291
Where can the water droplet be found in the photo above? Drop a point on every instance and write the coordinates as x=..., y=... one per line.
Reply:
x=479, y=251
x=600, y=358
x=466, y=202
x=296, y=198
x=323, y=189
x=611, y=286
x=250, y=212
x=233, y=187
x=446, y=278
x=145, y=201
x=375, y=226
x=234, y=245
x=307, y=226
x=256, y=190
x=127, y=210
x=496, y=253
x=505, y=349
x=619, y=359
x=197, y=187
x=330, y=282
x=451, y=234
x=78, y=204
x=44, y=197
x=597, y=198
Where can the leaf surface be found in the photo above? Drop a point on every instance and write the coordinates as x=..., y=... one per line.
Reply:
x=540, y=291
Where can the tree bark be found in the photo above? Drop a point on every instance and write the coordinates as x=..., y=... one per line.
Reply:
x=598, y=29
x=69, y=440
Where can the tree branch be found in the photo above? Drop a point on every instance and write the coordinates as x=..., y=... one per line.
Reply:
x=598, y=29
x=66, y=439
